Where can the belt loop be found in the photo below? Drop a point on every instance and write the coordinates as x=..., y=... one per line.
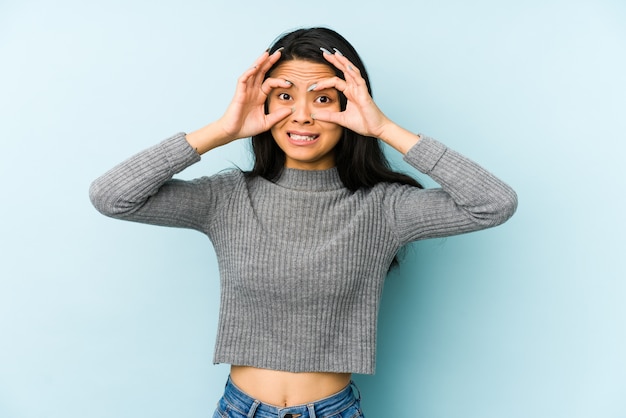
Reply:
x=311, y=408
x=357, y=390
x=253, y=408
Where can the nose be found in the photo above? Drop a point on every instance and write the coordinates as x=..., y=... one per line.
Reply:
x=302, y=113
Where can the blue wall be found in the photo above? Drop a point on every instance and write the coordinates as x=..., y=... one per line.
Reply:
x=101, y=318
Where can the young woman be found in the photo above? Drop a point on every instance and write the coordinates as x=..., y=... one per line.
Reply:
x=305, y=239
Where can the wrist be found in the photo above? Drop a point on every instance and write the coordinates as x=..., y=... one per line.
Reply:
x=398, y=137
x=211, y=136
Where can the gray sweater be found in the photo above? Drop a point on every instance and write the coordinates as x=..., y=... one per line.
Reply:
x=302, y=260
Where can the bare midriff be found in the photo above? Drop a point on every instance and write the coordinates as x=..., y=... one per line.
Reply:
x=284, y=389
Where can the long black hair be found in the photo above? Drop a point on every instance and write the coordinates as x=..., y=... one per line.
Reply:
x=359, y=159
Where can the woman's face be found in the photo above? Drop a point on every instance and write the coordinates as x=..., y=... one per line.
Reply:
x=308, y=143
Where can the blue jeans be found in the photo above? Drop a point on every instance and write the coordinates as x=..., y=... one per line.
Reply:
x=237, y=404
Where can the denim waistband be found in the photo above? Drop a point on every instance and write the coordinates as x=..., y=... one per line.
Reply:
x=252, y=408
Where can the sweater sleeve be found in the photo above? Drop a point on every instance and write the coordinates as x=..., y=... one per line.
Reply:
x=141, y=189
x=469, y=199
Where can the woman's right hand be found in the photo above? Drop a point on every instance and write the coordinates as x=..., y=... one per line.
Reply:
x=245, y=115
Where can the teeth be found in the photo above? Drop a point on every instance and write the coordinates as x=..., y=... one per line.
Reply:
x=302, y=137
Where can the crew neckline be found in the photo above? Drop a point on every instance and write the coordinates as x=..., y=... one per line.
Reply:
x=310, y=180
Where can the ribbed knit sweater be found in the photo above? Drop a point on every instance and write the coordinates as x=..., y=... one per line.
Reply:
x=302, y=260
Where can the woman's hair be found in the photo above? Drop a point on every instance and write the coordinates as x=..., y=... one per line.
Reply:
x=359, y=159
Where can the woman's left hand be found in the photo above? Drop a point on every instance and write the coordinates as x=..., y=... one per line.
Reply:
x=361, y=114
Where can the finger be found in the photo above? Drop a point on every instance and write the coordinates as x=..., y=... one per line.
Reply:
x=260, y=60
x=265, y=64
x=243, y=79
x=333, y=58
x=259, y=67
x=326, y=116
x=271, y=60
x=278, y=115
x=331, y=82
x=350, y=71
x=272, y=83
x=249, y=77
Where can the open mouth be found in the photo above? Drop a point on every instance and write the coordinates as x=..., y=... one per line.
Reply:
x=302, y=138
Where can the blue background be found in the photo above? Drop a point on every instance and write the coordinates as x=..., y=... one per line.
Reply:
x=101, y=318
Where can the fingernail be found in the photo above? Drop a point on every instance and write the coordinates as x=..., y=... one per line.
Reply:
x=279, y=49
x=287, y=82
x=326, y=51
x=293, y=109
x=313, y=116
x=312, y=87
x=350, y=67
x=338, y=52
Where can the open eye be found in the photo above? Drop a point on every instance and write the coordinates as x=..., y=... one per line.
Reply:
x=284, y=96
x=323, y=100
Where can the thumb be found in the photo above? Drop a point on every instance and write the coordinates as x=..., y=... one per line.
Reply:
x=326, y=116
x=278, y=115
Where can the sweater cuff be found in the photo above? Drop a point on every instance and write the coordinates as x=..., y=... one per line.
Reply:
x=178, y=152
x=425, y=155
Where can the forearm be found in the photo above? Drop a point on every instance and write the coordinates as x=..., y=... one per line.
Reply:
x=398, y=137
x=470, y=198
x=124, y=188
x=471, y=186
x=207, y=138
x=487, y=199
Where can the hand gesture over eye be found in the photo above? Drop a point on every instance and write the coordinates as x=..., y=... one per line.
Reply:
x=245, y=116
x=361, y=114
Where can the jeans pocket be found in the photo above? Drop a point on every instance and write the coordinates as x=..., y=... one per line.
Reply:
x=222, y=409
x=219, y=413
x=353, y=412
x=227, y=410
